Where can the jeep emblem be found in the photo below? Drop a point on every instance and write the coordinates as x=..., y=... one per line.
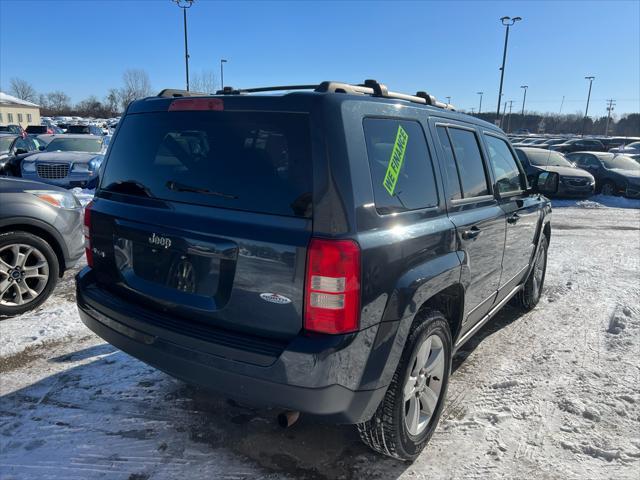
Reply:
x=161, y=241
x=274, y=298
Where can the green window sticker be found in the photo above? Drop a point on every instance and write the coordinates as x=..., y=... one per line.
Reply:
x=396, y=160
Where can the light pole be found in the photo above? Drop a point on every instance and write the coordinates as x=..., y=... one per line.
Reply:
x=480, y=107
x=524, y=99
x=184, y=5
x=509, y=117
x=222, y=62
x=586, y=110
x=507, y=22
x=448, y=100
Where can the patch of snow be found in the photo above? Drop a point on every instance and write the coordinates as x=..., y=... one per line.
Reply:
x=598, y=201
x=551, y=393
x=84, y=195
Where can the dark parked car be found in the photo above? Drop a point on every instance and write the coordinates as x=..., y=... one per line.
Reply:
x=40, y=237
x=67, y=161
x=579, y=144
x=84, y=130
x=615, y=174
x=12, y=149
x=356, y=240
x=549, y=143
x=574, y=182
x=40, y=130
x=17, y=129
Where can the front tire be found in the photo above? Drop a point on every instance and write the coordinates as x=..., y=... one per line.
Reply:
x=28, y=272
x=608, y=188
x=408, y=415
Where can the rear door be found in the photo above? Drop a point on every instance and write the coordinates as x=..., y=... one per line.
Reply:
x=479, y=220
x=522, y=211
x=206, y=216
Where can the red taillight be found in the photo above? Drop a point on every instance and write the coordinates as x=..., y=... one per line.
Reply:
x=189, y=104
x=87, y=233
x=332, y=288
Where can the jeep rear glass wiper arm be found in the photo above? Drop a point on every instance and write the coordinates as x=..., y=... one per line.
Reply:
x=181, y=187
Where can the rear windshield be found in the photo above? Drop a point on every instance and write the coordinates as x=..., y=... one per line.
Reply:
x=92, y=145
x=258, y=161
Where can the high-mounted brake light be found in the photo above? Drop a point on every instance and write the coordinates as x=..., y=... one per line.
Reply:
x=190, y=104
x=332, y=289
x=87, y=233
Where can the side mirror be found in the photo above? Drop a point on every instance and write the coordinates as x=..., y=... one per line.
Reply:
x=42, y=148
x=20, y=151
x=546, y=183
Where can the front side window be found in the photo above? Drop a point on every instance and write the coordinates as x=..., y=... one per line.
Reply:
x=469, y=161
x=505, y=168
x=400, y=165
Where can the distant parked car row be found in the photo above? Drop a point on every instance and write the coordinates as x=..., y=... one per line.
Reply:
x=65, y=160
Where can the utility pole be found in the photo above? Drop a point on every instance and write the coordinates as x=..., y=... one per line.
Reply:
x=504, y=109
x=524, y=99
x=586, y=110
x=507, y=22
x=509, y=118
x=184, y=5
x=610, y=104
x=473, y=111
x=448, y=100
x=561, y=105
x=480, y=107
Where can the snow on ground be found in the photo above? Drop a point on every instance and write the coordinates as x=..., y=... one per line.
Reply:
x=551, y=394
x=83, y=194
x=599, y=201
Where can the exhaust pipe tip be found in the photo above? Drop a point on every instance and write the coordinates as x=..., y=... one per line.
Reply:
x=288, y=418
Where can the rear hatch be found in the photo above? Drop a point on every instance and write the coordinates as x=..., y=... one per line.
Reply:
x=206, y=216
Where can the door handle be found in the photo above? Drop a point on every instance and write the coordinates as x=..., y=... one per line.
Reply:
x=471, y=234
x=513, y=219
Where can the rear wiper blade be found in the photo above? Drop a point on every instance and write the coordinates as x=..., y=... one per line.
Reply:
x=181, y=187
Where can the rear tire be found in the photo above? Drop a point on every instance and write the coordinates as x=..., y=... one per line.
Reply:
x=28, y=272
x=408, y=415
x=529, y=296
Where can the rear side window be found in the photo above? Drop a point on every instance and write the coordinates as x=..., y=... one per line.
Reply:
x=469, y=161
x=504, y=166
x=400, y=164
x=258, y=161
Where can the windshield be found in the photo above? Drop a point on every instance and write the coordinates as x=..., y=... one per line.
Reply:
x=257, y=161
x=545, y=158
x=622, y=162
x=92, y=145
x=5, y=143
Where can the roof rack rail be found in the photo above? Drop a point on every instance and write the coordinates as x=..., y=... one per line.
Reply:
x=369, y=87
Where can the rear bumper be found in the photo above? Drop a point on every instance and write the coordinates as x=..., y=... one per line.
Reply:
x=302, y=377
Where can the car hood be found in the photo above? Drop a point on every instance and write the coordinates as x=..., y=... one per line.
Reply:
x=74, y=157
x=566, y=171
x=626, y=173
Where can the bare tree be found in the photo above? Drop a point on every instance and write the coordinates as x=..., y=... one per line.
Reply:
x=22, y=89
x=205, y=82
x=59, y=102
x=111, y=101
x=136, y=85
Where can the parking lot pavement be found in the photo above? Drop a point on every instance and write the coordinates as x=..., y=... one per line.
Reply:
x=553, y=393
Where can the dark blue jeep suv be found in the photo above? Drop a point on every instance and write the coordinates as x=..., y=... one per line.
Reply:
x=324, y=250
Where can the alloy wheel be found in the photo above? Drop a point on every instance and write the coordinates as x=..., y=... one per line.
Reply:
x=421, y=391
x=24, y=273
